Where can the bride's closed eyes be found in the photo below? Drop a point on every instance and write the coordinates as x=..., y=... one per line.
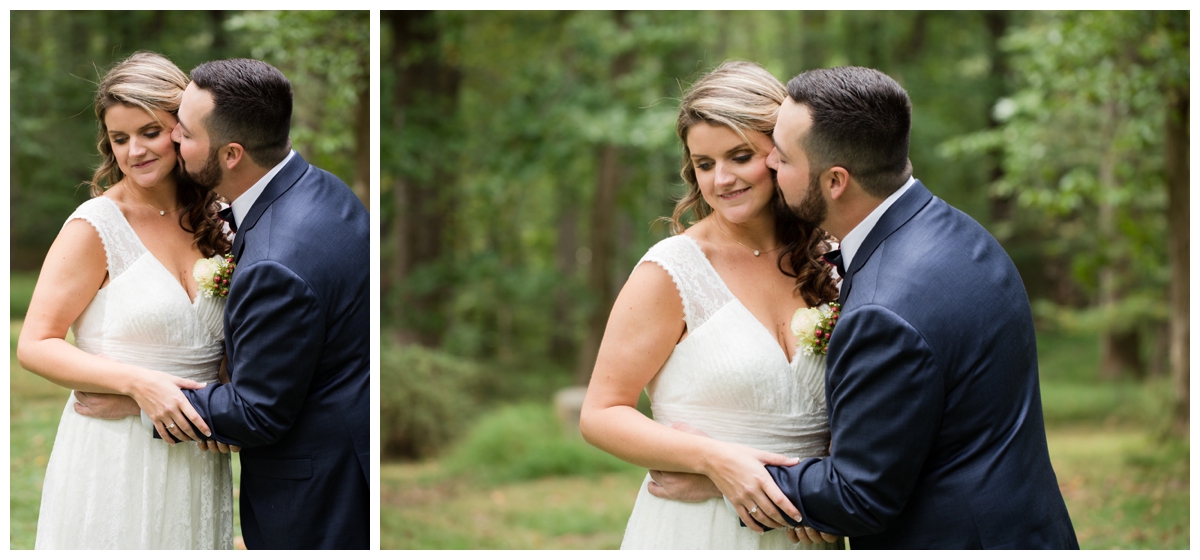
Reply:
x=122, y=138
x=706, y=164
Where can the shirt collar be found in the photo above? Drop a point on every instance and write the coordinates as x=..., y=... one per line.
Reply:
x=855, y=238
x=242, y=204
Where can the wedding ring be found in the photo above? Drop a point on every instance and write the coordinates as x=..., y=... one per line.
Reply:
x=753, y=509
x=171, y=425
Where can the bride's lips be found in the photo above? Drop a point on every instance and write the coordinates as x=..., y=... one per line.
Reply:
x=733, y=194
x=143, y=165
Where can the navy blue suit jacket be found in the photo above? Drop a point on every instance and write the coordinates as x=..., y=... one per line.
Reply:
x=297, y=333
x=932, y=392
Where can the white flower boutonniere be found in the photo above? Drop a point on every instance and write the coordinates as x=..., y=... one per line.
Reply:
x=213, y=274
x=814, y=326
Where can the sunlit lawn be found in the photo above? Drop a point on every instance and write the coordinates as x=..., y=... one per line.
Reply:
x=35, y=408
x=1125, y=486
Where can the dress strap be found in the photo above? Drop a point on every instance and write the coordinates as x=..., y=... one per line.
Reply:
x=701, y=289
x=121, y=245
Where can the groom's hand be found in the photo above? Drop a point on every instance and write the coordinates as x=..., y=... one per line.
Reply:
x=105, y=406
x=682, y=487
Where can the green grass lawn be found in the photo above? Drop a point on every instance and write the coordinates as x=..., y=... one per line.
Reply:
x=1126, y=485
x=35, y=408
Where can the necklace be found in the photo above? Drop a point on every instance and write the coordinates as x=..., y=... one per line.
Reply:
x=143, y=201
x=755, y=251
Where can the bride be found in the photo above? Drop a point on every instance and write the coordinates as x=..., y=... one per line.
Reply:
x=703, y=325
x=120, y=276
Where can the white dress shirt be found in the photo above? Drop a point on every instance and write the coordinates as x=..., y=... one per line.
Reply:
x=855, y=238
x=242, y=204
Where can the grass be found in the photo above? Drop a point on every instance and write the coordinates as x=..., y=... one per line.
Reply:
x=1126, y=485
x=35, y=408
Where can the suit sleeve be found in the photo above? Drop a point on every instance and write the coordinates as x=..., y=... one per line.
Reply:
x=275, y=335
x=885, y=400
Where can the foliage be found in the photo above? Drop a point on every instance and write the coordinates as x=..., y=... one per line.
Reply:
x=525, y=442
x=428, y=400
x=1082, y=143
x=20, y=291
x=58, y=57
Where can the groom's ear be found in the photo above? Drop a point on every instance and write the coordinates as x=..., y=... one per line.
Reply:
x=231, y=155
x=838, y=181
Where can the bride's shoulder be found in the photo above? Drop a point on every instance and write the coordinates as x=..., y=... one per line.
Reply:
x=680, y=244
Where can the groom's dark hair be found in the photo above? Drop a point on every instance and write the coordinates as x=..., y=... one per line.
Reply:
x=860, y=121
x=252, y=105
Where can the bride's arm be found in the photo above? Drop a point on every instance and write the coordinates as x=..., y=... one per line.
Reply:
x=73, y=273
x=645, y=324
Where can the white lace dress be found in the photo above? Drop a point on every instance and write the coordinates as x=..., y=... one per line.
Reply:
x=109, y=484
x=730, y=378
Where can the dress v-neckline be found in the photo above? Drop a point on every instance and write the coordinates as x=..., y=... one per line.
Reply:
x=766, y=331
x=163, y=267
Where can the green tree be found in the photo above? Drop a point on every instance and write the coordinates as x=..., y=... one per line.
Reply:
x=1085, y=144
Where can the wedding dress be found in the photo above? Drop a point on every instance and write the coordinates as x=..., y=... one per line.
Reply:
x=730, y=378
x=109, y=484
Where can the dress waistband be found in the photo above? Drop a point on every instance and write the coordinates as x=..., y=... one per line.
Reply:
x=803, y=434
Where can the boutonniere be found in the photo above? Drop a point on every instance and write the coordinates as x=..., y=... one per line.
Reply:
x=213, y=274
x=813, y=326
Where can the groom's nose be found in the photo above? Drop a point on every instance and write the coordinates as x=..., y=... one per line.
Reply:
x=773, y=160
x=175, y=134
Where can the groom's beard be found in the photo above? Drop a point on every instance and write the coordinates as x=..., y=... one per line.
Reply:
x=813, y=208
x=208, y=177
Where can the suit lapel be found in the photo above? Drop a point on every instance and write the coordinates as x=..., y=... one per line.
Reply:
x=278, y=185
x=897, y=215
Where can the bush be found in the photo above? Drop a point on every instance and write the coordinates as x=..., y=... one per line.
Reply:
x=20, y=291
x=426, y=399
x=526, y=442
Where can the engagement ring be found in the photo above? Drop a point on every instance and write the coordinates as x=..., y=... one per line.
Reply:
x=171, y=425
x=753, y=509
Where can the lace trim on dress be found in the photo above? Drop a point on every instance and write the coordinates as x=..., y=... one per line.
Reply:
x=701, y=289
x=121, y=245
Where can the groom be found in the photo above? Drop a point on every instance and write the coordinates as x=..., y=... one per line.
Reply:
x=297, y=322
x=932, y=381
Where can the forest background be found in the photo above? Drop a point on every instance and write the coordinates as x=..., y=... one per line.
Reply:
x=56, y=60
x=527, y=155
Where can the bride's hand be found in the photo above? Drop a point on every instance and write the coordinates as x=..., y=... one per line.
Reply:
x=808, y=535
x=217, y=447
x=738, y=472
x=161, y=398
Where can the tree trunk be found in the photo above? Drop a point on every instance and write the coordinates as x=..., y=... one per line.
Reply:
x=426, y=93
x=604, y=208
x=562, y=339
x=1178, y=247
x=1119, y=343
x=599, y=279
